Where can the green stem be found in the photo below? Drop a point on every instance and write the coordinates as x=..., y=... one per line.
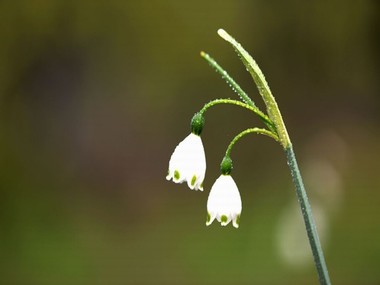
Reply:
x=283, y=137
x=261, y=115
x=311, y=228
x=246, y=132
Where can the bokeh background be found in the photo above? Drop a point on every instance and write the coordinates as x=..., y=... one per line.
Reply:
x=95, y=95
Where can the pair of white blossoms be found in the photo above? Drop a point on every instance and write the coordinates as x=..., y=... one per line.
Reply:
x=188, y=164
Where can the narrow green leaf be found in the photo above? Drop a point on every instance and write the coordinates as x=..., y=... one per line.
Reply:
x=263, y=87
x=230, y=81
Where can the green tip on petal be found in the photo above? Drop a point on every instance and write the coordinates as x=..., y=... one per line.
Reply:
x=226, y=165
x=193, y=180
x=237, y=222
x=176, y=175
x=208, y=218
x=224, y=219
x=197, y=123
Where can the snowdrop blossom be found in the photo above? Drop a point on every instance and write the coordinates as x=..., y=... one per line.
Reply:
x=188, y=163
x=224, y=202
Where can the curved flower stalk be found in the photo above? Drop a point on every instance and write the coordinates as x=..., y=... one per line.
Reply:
x=224, y=203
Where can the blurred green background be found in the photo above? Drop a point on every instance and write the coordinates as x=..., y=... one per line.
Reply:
x=95, y=95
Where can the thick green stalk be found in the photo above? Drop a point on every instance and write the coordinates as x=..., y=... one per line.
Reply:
x=263, y=87
x=307, y=214
x=282, y=134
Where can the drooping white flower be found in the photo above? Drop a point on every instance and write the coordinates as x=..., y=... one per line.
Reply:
x=224, y=202
x=188, y=163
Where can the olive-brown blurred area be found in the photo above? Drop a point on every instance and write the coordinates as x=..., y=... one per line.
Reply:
x=94, y=97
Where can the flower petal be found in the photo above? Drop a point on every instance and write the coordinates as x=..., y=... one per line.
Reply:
x=224, y=202
x=188, y=163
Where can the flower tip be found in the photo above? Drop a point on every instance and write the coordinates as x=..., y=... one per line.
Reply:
x=200, y=187
x=195, y=184
x=209, y=219
x=224, y=220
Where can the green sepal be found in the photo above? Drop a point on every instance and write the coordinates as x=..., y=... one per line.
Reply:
x=226, y=165
x=197, y=123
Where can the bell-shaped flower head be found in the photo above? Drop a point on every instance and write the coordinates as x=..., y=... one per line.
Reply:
x=224, y=202
x=188, y=161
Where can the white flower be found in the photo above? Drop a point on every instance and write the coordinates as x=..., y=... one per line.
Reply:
x=224, y=202
x=188, y=163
